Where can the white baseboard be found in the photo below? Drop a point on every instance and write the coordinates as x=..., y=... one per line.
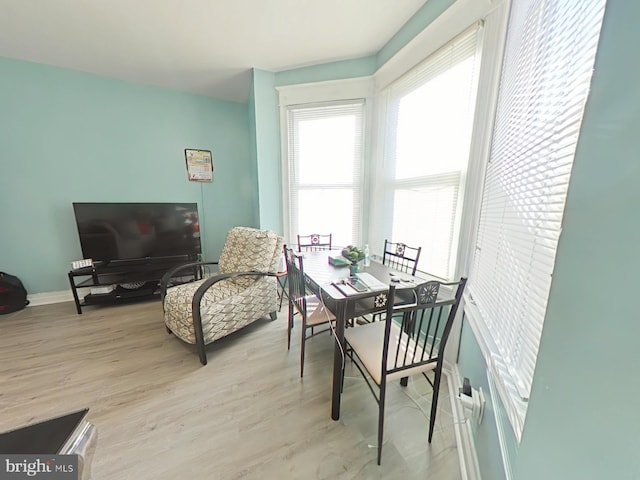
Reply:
x=47, y=298
x=467, y=456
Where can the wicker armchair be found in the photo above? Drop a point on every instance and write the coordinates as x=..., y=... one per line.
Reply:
x=245, y=290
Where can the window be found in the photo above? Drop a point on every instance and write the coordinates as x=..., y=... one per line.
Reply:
x=325, y=145
x=548, y=60
x=429, y=122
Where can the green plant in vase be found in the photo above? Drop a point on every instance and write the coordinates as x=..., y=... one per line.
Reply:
x=354, y=255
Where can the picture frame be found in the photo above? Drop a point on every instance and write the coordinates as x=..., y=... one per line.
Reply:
x=199, y=165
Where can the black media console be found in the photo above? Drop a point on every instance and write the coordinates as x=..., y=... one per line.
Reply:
x=117, y=283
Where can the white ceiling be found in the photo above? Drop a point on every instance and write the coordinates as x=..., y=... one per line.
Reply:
x=202, y=46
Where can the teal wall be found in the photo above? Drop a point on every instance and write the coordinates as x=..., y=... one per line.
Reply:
x=67, y=136
x=263, y=102
x=583, y=421
x=358, y=67
x=416, y=24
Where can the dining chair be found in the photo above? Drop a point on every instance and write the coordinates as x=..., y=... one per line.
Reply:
x=410, y=341
x=398, y=256
x=314, y=242
x=401, y=256
x=313, y=313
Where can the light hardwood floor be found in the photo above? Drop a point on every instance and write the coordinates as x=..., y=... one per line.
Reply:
x=161, y=415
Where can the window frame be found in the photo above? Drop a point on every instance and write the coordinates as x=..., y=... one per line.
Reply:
x=383, y=175
x=357, y=185
x=319, y=93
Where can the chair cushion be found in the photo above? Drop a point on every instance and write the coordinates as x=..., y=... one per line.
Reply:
x=319, y=314
x=367, y=342
x=248, y=249
x=177, y=303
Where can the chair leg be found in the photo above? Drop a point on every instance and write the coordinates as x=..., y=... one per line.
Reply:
x=289, y=326
x=273, y=315
x=202, y=353
x=197, y=330
x=281, y=286
x=344, y=365
x=404, y=381
x=383, y=389
x=434, y=401
x=303, y=341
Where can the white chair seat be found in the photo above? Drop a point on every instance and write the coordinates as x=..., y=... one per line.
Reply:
x=320, y=315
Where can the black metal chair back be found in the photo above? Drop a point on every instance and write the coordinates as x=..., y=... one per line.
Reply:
x=416, y=332
x=295, y=280
x=314, y=242
x=401, y=256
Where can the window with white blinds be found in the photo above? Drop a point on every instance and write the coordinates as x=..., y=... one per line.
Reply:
x=325, y=148
x=548, y=62
x=429, y=121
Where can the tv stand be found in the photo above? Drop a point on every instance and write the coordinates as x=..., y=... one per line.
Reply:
x=131, y=281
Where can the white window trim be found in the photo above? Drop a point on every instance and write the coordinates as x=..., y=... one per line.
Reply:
x=494, y=33
x=457, y=18
x=515, y=406
x=332, y=91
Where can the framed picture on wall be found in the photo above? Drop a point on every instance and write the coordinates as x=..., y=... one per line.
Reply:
x=199, y=165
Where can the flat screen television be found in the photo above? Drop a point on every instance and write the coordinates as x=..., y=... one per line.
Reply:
x=138, y=232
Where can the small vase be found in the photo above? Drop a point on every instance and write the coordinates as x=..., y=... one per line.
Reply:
x=353, y=269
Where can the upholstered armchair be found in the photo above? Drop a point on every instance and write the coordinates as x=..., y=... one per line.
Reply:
x=244, y=290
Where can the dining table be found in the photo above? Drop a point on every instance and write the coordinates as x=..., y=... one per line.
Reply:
x=334, y=286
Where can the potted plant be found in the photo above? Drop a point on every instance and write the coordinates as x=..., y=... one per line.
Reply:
x=354, y=255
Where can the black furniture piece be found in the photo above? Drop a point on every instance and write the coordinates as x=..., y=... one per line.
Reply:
x=136, y=232
x=401, y=256
x=314, y=242
x=130, y=281
x=306, y=243
x=311, y=311
x=345, y=302
x=68, y=434
x=410, y=341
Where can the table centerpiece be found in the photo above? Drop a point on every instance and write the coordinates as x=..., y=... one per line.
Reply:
x=354, y=255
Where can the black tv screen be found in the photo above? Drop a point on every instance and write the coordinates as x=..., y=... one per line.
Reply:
x=118, y=232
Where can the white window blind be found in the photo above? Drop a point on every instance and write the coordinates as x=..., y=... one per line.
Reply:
x=429, y=122
x=325, y=148
x=548, y=62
